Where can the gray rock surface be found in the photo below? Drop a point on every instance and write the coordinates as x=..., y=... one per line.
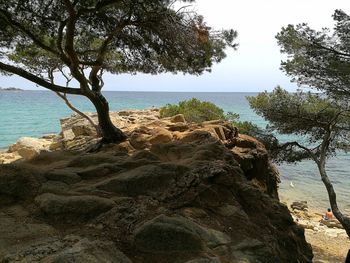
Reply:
x=80, y=206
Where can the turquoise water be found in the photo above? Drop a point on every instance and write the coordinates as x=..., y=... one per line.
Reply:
x=34, y=113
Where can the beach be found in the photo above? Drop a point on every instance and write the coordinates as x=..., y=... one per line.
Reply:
x=329, y=244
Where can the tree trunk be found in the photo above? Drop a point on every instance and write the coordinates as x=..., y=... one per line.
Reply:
x=110, y=133
x=344, y=220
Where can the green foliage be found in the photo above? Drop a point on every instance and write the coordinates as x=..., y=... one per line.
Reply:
x=247, y=127
x=194, y=110
x=116, y=36
x=314, y=118
x=319, y=59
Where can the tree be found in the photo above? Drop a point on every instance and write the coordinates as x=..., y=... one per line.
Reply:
x=322, y=125
x=319, y=59
x=40, y=39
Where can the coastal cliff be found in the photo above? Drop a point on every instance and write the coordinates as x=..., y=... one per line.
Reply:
x=174, y=192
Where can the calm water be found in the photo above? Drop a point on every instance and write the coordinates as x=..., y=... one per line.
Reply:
x=34, y=113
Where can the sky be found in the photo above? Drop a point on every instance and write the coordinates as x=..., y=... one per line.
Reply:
x=253, y=67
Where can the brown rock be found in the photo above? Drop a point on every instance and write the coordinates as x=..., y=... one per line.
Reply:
x=178, y=118
x=28, y=147
x=160, y=135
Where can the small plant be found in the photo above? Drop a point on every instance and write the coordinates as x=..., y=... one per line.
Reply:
x=194, y=110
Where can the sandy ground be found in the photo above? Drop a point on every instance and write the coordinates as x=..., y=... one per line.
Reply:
x=330, y=245
x=328, y=248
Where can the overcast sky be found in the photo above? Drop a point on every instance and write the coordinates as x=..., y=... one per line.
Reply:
x=255, y=64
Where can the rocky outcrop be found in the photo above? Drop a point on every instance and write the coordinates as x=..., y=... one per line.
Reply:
x=145, y=129
x=195, y=195
x=174, y=192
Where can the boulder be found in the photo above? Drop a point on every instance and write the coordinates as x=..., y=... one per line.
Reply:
x=178, y=118
x=160, y=135
x=331, y=223
x=29, y=148
x=299, y=205
x=139, y=140
x=176, y=234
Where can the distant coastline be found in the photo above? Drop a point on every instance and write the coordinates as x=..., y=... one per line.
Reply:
x=10, y=89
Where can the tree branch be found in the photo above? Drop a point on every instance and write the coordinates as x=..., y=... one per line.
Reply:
x=90, y=120
x=95, y=80
x=18, y=26
x=69, y=47
x=31, y=77
x=310, y=152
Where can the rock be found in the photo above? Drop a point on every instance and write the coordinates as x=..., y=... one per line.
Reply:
x=195, y=196
x=54, y=187
x=179, y=126
x=84, y=206
x=84, y=130
x=63, y=175
x=56, y=145
x=197, y=135
x=6, y=158
x=69, y=249
x=16, y=233
x=139, y=141
x=68, y=135
x=85, y=251
x=87, y=160
x=19, y=182
x=178, y=118
x=29, y=148
x=175, y=234
x=252, y=250
x=205, y=260
x=300, y=205
x=145, y=180
x=331, y=223
x=49, y=136
x=97, y=171
x=160, y=135
x=333, y=232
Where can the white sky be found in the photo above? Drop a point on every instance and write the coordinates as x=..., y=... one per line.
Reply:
x=253, y=67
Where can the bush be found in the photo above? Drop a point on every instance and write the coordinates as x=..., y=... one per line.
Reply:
x=194, y=110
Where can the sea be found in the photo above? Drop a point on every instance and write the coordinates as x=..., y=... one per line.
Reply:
x=35, y=113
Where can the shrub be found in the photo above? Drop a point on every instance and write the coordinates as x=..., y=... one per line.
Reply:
x=194, y=110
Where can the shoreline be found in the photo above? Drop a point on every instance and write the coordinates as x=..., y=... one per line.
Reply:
x=329, y=244
x=3, y=150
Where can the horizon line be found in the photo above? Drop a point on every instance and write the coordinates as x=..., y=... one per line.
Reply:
x=165, y=91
